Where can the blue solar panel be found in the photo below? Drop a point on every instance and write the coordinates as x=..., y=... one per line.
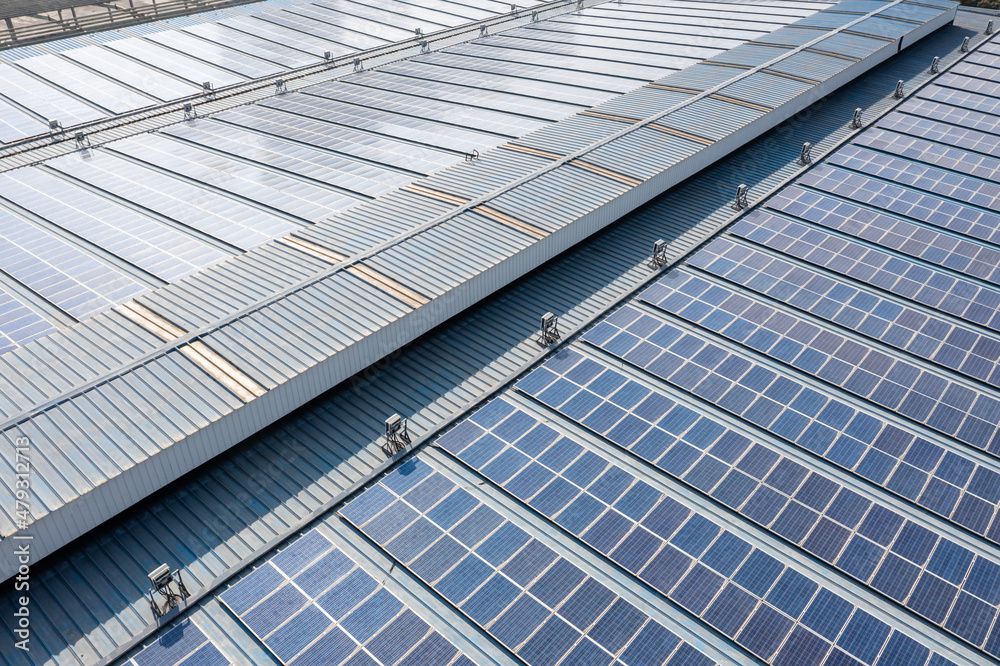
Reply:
x=774, y=494
x=184, y=642
x=311, y=603
x=922, y=395
x=537, y=604
x=683, y=554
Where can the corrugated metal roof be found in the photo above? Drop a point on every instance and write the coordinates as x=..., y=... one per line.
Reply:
x=338, y=438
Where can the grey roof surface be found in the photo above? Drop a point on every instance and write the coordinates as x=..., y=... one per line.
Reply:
x=196, y=366
x=274, y=484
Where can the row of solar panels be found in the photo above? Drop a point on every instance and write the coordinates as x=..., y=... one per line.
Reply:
x=449, y=242
x=822, y=374
x=83, y=79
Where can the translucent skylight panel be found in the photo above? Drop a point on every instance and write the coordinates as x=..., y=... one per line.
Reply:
x=43, y=99
x=19, y=323
x=224, y=57
x=239, y=224
x=180, y=65
x=95, y=88
x=156, y=248
x=119, y=68
x=59, y=272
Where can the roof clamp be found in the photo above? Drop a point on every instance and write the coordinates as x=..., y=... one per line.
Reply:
x=207, y=88
x=190, y=112
x=549, y=332
x=55, y=127
x=82, y=140
x=659, y=258
x=418, y=33
x=483, y=32
x=806, y=155
x=899, y=93
x=472, y=157
x=936, y=65
x=168, y=585
x=397, y=435
x=856, y=122
x=280, y=87
x=741, y=198
x=534, y=16
x=965, y=45
x=358, y=65
x=425, y=46
x=513, y=8
x=989, y=28
x=579, y=4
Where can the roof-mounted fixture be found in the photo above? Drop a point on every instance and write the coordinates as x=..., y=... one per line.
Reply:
x=396, y=434
x=190, y=112
x=989, y=28
x=483, y=32
x=358, y=66
x=806, y=155
x=472, y=157
x=207, y=88
x=899, y=92
x=856, y=121
x=82, y=140
x=55, y=126
x=579, y=4
x=659, y=258
x=425, y=46
x=168, y=586
x=534, y=16
x=965, y=45
x=280, y=87
x=549, y=332
x=741, y=198
x=513, y=8
x=935, y=65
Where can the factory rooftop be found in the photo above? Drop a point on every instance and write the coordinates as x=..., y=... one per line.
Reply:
x=762, y=428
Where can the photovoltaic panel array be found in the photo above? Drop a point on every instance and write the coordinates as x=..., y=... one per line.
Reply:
x=870, y=541
x=312, y=604
x=773, y=610
x=537, y=604
x=184, y=645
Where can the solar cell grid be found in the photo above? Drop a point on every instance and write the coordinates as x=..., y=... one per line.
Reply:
x=184, y=642
x=920, y=140
x=880, y=452
x=920, y=394
x=863, y=539
x=965, y=220
x=537, y=604
x=970, y=110
x=740, y=590
x=960, y=348
x=935, y=289
x=312, y=604
x=19, y=323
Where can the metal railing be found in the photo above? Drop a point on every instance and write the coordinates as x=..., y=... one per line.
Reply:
x=70, y=24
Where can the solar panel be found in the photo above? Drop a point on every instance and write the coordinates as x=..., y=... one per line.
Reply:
x=922, y=395
x=935, y=289
x=186, y=643
x=960, y=348
x=537, y=604
x=740, y=590
x=865, y=540
x=312, y=603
